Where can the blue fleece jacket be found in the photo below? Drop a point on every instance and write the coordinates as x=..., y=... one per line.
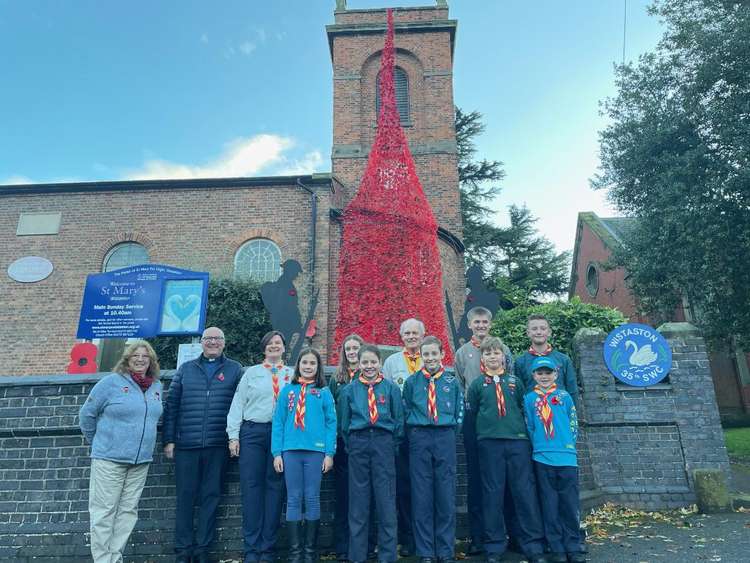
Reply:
x=319, y=434
x=119, y=420
x=450, y=400
x=559, y=448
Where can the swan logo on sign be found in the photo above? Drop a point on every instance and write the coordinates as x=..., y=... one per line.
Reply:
x=637, y=354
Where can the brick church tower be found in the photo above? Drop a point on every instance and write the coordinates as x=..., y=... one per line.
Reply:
x=424, y=41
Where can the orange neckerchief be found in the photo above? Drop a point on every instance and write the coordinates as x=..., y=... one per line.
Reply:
x=413, y=361
x=274, y=369
x=546, y=352
x=372, y=406
x=475, y=342
x=499, y=395
x=299, y=413
x=432, y=413
x=351, y=373
x=544, y=411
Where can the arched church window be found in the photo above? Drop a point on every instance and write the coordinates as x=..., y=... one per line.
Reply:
x=124, y=255
x=258, y=259
x=401, y=83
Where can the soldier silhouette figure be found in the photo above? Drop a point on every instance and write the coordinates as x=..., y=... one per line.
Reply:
x=478, y=296
x=281, y=302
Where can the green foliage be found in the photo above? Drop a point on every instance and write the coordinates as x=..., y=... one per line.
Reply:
x=677, y=157
x=516, y=259
x=236, y=308
x=565, y=318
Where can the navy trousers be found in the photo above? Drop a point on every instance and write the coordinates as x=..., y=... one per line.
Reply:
x=303, y=471
x=262, y=491
x=341, y=507
x=403, y=492
x=474, y=485
x=372, y=473
x=432, y=461
x=558, y=495
x=198, y=478
x=507, y=463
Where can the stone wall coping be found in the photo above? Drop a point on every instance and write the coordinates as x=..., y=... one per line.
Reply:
x=677, y=330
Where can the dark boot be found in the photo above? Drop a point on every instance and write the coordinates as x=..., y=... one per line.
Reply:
x=294, y=539
x=311, y=541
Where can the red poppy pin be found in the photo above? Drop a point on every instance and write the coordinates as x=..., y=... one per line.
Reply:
x=381, y=399
x=555, y=400
x=220, y=377
x=292, y=292
x=315, y=392
x=125, y=389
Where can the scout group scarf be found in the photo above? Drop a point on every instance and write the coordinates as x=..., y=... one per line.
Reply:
x=546, y=352
x=544, y=411
x=475, y=342
x=299, y=413
x=142, y=380
x=497, y=380
x=274, y=377
x=372, y=406
x=432, y=412
x=413, y=361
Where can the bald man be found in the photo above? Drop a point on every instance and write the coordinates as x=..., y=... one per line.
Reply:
x=194, y=435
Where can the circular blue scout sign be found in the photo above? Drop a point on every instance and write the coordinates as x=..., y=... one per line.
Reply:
x=637, y=354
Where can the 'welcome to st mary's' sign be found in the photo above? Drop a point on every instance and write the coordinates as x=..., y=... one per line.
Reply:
x=143, y=301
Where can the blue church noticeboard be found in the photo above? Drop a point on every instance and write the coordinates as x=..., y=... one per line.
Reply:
x=143, y=301
x=637, y=354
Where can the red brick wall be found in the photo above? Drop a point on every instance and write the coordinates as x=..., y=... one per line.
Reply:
x=198, y=229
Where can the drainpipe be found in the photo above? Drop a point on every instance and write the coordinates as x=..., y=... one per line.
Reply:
x=313, y=231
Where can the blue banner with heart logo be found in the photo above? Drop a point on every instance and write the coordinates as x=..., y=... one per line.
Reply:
x=143, y=301
x=637, y=354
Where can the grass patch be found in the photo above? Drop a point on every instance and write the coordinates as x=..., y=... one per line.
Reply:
x=738, y=443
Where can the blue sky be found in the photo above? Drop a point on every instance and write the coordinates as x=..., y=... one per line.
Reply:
x=116, y=90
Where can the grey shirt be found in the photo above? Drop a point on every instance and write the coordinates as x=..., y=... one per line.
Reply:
x=467, y=362
x=253, y=400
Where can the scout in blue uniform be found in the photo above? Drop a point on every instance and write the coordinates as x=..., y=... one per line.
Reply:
x=553, y=427
x=303, y=442
x=249, y=430
x=345, y=373
x=433, y=410
x=372, y=426
x=496, y=404
x=397, y=368
x=539, y=332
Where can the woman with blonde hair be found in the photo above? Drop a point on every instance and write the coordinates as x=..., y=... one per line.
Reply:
x=119, y=421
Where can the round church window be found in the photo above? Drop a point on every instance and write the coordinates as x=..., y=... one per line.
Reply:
x=258, y=259
x=592, y=280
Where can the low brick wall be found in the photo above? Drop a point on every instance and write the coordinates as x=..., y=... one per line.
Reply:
x=637, y=447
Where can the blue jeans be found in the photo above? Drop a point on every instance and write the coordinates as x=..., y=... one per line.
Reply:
x=303, y=470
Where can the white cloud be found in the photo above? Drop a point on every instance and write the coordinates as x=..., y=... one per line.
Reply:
x=260, y=33
x=15, y=180
x=247, y=47
x=242, y=157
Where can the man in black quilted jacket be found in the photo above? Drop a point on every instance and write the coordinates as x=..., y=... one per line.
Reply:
x=194, y=435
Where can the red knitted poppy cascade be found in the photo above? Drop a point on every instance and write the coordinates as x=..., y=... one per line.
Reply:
x=389, y=268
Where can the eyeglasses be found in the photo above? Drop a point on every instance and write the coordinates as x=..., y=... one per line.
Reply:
x=212, y=338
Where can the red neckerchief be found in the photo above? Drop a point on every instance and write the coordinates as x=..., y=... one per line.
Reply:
x=351, y=373
x=544, y=411
x=274, y=369
x=432, y=413
x=299, y=413
x=142, y=380
x=546, y=352
x=475, y=342
x=499, y=395
x=372, y=406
